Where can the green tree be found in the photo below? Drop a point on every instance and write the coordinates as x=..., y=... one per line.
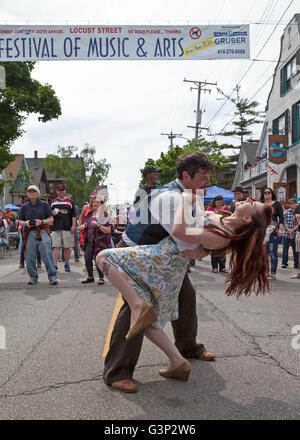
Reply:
x=245, y=116
x=167, y=161
x=81, y=173
x=22, y=96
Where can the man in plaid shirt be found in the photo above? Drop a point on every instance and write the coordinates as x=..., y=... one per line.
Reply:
x=288, y=235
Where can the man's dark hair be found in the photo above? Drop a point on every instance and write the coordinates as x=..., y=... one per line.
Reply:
x=192, y=162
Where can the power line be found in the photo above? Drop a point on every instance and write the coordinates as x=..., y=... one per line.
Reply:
x=249, y=100
x=252, y=62
x=268, y=68
x=258, y=32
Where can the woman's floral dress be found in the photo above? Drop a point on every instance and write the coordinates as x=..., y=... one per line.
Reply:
x=156, y=272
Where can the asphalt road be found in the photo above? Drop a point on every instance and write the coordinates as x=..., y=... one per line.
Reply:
x=52, y=365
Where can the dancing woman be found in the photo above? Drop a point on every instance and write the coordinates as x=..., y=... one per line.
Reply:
x=150, y=276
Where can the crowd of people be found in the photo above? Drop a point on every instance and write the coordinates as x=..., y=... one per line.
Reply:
x=49, y=232
x=146, y=254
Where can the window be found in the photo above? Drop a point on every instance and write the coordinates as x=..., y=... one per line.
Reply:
x=279, y=125
x=296, y=122
x=286, y=75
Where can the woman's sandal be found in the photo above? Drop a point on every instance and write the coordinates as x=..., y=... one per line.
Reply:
x=215, y=270
x=182, y=372
x=101, y=282
x=146, y=317
x=224, y=270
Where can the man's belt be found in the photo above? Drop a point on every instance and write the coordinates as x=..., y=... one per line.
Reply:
x=38, y=233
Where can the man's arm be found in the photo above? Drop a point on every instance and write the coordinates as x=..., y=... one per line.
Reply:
x=74, y=218
x=22, y=221
x=47, y=221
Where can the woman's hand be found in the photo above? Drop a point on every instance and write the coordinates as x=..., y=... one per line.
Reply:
x=95, y=223
x=81, y=227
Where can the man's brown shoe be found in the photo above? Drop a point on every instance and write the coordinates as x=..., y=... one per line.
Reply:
x=126, y=386
x=207, y=356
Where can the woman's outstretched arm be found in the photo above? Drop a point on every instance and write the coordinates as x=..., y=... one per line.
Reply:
x=193, y=234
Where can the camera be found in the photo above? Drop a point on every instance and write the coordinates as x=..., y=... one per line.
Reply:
x=32, y=223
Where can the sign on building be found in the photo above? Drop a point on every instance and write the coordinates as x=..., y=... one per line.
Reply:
x=277, y=149
x=111, y=42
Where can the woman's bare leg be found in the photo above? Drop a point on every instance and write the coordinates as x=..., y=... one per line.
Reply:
x=159, y=338
x=119, y=282
x=156, y=336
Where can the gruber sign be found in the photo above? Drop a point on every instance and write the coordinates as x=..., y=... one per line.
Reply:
x=100, y=42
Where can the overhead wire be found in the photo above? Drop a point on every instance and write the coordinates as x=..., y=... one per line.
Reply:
x=235, y=78
x=241, y=62
x=209, y=124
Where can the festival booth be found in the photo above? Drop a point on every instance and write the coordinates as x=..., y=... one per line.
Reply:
x=11, y=207
x=214, y=191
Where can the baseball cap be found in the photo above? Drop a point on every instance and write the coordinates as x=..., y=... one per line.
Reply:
x=33, y=188
x=150, y=169
x=239, y=189
x=60, y=187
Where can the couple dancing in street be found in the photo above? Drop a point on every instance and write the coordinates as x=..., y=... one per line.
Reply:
x=149, y=268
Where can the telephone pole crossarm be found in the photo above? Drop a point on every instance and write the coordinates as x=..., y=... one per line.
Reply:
x=199, y=86
x=171, y=136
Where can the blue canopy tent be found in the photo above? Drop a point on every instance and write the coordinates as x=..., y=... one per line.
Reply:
x=12, y=207
x=214, y=191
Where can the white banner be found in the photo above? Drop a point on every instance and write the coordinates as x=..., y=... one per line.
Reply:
x=100, y=42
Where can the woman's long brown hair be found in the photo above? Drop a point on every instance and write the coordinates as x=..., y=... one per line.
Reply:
x=248, y=261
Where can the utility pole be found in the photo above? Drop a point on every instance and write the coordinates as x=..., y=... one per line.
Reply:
x=2, y=86
x=200, y=88
x=171, y=136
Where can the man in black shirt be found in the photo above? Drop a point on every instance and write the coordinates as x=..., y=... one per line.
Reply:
x=152, y=179
x=36, y=216
x=239, y=196
x=64, y=225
